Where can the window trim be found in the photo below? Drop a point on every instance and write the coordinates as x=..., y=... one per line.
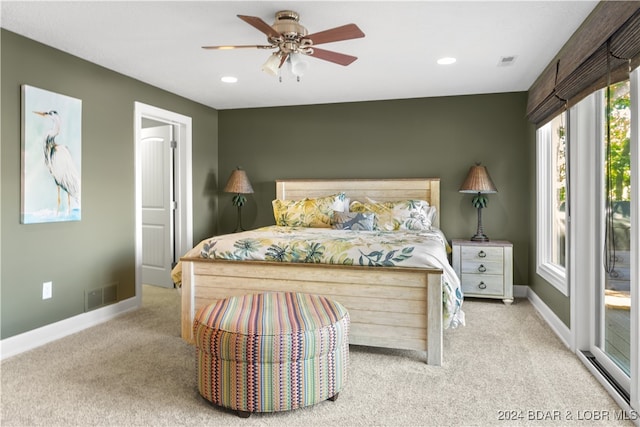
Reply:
x=553, y=273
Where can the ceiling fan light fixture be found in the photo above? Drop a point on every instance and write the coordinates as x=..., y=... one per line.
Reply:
x=297, y=64
x=272, y=64
x=288, y=36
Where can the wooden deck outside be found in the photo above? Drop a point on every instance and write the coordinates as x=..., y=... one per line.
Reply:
x=617, y=337
x=618, y=328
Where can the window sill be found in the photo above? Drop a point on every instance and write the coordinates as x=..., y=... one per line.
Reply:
x=555, y=275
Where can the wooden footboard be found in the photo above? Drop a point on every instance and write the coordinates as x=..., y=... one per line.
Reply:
x=389, y=307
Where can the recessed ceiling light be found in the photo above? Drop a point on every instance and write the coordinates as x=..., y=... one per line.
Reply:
x=229, y=79
x=446, y=61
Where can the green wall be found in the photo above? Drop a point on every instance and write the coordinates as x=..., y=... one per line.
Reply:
x=426, y=137
x=99, y=249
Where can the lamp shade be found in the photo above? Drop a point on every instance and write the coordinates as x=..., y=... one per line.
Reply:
x=272, y=64
x=297, y=64
x=478, y=181
x=238, y=183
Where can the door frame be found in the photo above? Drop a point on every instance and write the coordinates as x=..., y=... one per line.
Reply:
x=183, y=182
x=635, y=243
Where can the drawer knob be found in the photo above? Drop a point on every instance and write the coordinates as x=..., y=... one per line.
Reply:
x=482, y=285
x=482, y=268
x=482, y=254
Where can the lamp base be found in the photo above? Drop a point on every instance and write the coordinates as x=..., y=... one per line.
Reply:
x=239, y=227
x=480, y=238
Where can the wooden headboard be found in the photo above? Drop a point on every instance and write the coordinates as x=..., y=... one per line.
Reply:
x=382, y=190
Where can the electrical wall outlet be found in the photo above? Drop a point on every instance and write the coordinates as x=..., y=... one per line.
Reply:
x=47, y=290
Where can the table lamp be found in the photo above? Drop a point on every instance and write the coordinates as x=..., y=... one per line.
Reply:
x=238, y=183
x=478, y=181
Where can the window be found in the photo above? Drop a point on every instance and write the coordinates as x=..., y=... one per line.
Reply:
x=552, y=202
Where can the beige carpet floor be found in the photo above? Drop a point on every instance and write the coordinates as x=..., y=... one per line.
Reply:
x=506, y=367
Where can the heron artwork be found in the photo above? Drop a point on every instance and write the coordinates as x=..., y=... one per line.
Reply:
x=60, y=163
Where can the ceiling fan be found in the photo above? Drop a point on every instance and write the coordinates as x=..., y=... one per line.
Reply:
x=291, y=40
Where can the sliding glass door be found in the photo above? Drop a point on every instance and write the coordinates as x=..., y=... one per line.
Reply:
x=612, y=335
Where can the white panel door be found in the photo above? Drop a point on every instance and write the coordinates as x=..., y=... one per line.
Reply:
x=158, y=250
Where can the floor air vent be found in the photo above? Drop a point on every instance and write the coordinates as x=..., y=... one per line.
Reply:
x=96, y=298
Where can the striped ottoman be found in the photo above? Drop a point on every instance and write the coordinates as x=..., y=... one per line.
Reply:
x=271, y=352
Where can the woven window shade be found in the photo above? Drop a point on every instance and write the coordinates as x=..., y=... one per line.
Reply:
x=581, y=68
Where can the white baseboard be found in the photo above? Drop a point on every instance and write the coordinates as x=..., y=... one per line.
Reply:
x=35, y=338
x=561, y=330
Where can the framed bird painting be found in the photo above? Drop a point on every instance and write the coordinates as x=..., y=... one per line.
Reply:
x=51, y=156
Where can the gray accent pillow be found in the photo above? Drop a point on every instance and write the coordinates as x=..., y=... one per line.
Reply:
x=362, y=221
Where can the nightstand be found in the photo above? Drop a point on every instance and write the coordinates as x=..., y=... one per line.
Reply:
x=484, y=268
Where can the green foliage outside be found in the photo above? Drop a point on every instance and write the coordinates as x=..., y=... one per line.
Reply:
x=620, y=138
x=620, y=143
x=561, y=160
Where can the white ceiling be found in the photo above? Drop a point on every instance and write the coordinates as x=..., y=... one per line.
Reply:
x=159, y=42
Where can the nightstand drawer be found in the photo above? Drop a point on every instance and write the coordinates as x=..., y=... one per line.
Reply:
x=475, y=253
x=481, y=284
x=482, y=267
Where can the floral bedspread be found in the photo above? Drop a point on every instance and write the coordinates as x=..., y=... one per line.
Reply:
x=329, y=246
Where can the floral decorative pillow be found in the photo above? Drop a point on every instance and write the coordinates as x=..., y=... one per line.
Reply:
x=400, y=215
x=357, y=221
x=317, y=212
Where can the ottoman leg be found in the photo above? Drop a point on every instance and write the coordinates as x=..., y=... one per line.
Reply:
x=334, y=397
x=243, y=414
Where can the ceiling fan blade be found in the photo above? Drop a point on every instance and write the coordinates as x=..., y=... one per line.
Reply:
x=327, y=55
x=230, y=47
x=259, y=24
x=345, y=32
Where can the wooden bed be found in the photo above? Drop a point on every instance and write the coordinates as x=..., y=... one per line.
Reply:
x=389, y=307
